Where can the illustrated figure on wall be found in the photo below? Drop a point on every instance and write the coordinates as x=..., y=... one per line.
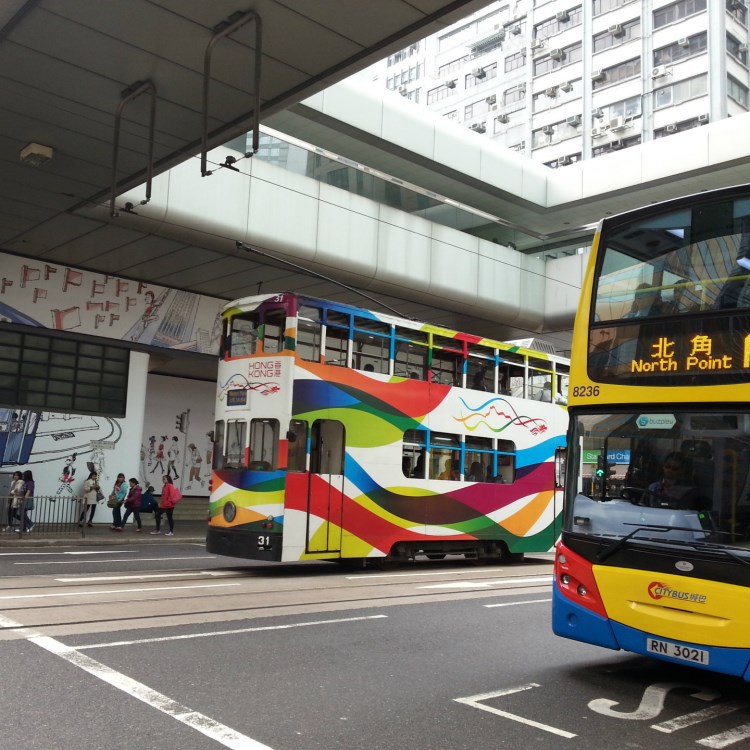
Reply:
x=159, y=457
x=68, y=476
x=195, y=466
x=173, y=454
x=151, y=449
x=150, y=314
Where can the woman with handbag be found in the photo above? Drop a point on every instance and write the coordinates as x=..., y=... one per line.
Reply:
x=26, y=502
x=170, y=496
x=115, y=501
x=90, y=498
x=16, y=493
x=133, y=504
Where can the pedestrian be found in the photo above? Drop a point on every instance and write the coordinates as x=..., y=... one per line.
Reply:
x=16, y=493
x=133, y=504
x=148, y=501
x=170, y=496
x=116, y=499
x=26, y=502
x=90, y=494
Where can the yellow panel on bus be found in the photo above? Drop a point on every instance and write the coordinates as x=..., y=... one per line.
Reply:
x=685, y=609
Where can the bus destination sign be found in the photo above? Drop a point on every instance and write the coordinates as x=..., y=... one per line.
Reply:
x=701, y=354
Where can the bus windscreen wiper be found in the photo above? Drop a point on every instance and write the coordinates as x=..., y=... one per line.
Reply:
x=612, y=548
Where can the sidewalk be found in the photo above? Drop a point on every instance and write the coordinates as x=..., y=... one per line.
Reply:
x=193, y=532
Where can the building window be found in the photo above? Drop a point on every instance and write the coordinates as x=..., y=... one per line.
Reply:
x=514, y=95
x=678, y=127
x=621, y=72
x=684, y=48
x=483, y=74
x=439, y=92
x=403, y=54
x=557, y=58
x=736, y=50
x=627, y=108
x=603, y=6
x=738, y=10
x=481, y=107
x=554, y=133
x=615, y=145
x=677, y=11
x=617, y=34
x=736, y=91
x=515, y=61
x=681, y=91
x=566, y=19
x=47, y=373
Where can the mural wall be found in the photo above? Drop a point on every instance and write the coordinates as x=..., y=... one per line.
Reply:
x=179, y=415
x=47, y=295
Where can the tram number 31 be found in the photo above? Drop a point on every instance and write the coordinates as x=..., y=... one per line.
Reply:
x=264, y=540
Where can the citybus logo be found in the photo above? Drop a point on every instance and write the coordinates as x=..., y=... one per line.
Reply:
x=658, y=590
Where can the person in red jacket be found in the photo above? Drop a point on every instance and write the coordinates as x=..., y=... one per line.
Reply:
x=170, y=496
x=133, y=504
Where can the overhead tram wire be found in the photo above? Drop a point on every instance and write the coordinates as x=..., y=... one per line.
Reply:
x=316, y=274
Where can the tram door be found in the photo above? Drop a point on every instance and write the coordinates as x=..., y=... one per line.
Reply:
x=326, y=494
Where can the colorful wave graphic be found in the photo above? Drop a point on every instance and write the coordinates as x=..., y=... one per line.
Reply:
x=499, y=410
x=239, y=382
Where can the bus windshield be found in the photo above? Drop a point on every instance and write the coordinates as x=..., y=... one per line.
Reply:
x=677, y=476
x=672, y=302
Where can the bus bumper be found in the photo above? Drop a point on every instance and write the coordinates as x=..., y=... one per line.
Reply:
x=570, y=620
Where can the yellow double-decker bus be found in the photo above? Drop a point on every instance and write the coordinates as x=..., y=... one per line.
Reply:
x=654, y=556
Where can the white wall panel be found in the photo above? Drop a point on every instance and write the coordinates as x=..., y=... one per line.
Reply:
x=688, y=149
x=347, y=239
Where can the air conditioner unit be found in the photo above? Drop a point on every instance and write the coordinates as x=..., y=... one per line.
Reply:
x=574, y=120
x=556, y=54
x=502, y=118
x=671, y=128
x=402, y=90
x=659, y=72
x=563, y=16
x=703, y=119
x=450, y=84
x=684, y=42
x=537, y=43
x=597, y=113
x=478, y=127
x=742, y=48
x=567, y=86
x=617, y=123
x=491, y=99
x=551, y=91
x=616, y=30
x=548, y=130
x=478, y=73
x=563, y=161
x=598, y=75
x=515, y=30
x=598, y=132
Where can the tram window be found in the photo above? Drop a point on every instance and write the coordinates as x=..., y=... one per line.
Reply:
x=274, y=326
x=234, y=456
x=445, y=455
x=297, y=445
x=413, y=453
x=477, y=459
x=511, y=374
x=337, y=338
x=506, y=462
x=539, y=385
x=372, y=345
x=264, y=444
x=218, y=449
x=411, y=350
x=243, y=336
x=308, y=333
x=447, y=362
x=480, y=369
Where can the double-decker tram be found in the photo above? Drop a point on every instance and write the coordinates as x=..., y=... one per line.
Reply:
x=654, y=556
x=344, y=434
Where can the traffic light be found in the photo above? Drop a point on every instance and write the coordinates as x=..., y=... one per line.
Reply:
x=181, y=421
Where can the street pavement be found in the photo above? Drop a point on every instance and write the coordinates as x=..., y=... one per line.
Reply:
x=102, y=535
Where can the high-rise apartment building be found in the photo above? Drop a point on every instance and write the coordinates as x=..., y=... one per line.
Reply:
x=560, y=81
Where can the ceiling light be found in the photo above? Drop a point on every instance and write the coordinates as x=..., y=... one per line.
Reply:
x=35, y=154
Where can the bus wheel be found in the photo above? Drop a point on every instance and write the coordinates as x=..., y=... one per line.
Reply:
x=385, y=563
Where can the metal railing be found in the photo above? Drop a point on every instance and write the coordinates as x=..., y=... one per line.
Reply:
x=51, y=514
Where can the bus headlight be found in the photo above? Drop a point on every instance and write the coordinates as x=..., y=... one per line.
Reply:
x=230, y=511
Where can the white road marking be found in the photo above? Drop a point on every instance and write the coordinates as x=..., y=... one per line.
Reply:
x=116, y=591
x=260, y=629
x=471, y=571
x=513, y=604
x=200, y=722
x=475, y=701
x=106, y=562
x=486, y=584
x=221, y=733
x=652, y=702
x=696, y=717
x=57, y=554
x=725, y=739
x=131, y=576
